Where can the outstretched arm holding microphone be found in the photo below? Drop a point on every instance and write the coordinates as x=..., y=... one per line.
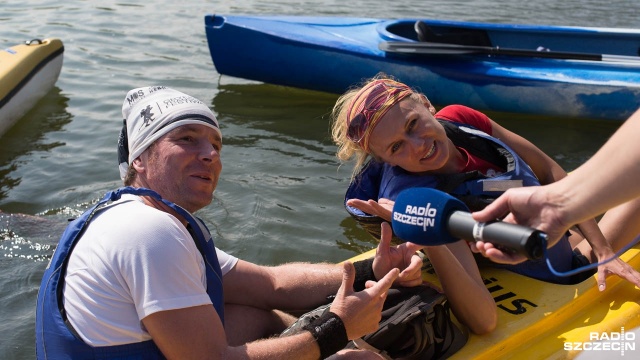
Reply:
x=608, y=179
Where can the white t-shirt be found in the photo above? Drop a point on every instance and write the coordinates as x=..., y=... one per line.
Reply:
x=132, y=261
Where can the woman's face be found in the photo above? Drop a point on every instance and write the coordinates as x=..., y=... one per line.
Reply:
x=409, y=136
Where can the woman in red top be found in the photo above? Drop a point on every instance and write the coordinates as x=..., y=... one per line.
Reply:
x=391, y=123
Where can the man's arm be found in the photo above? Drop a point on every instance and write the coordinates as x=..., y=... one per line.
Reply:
x=197, y=332
x=289, y=287
x=303, y=286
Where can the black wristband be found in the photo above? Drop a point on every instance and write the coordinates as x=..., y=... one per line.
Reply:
x=364, y=272
x=329, y=332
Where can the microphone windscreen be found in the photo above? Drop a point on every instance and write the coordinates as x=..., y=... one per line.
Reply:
x=420, y=215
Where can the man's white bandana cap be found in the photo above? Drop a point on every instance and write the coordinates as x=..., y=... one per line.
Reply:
x=151, y=112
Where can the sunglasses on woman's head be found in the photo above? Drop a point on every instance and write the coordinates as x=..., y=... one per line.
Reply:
x=374, y=101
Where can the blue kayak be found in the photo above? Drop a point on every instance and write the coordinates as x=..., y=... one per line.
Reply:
x=576, y=72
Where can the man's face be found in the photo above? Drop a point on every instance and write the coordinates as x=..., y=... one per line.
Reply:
x=183, y=166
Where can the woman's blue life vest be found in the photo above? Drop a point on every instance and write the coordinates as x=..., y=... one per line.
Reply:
x=380, y=180
x=56, y=338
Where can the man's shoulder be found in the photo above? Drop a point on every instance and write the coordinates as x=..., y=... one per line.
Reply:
x=133, y=217
x=130, y=208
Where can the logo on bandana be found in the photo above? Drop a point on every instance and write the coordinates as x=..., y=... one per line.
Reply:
x=147, y=116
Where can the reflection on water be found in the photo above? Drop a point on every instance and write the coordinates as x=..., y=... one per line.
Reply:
x=356, y=239
x=28, y=136
x=281, y=186
x=26, y=244
x=295, y=113
x=281, y=192
x=570, y=142
x=27, y=237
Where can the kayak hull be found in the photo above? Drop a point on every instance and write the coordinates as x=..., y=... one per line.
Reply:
x=331, y=54
x=27, y=73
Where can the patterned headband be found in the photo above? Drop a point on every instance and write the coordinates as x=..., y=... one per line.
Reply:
x=369, y=105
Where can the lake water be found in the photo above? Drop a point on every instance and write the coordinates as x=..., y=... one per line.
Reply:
x=281, y=192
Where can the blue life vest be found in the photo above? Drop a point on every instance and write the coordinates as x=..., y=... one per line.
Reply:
x=380, y=180
x=56, y=338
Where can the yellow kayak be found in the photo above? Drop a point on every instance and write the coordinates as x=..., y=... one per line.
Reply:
x=539, y=320
x=27, y=72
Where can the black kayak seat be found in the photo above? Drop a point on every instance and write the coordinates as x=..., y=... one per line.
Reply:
x=451, y=35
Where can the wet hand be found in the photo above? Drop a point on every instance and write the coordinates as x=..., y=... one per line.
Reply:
x=402, y=256
x=381, y=208
x=529, y=206
x=494, y=254
x=361, y=311
x=616, y=267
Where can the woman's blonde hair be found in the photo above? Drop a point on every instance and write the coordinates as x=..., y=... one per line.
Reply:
x=348, y=149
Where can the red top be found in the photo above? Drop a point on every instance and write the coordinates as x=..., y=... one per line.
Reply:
x=464, y=115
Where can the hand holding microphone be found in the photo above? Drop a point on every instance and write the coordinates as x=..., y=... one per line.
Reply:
x=427, y=216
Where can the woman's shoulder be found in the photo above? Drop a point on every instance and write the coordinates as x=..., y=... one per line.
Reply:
x=465, y=115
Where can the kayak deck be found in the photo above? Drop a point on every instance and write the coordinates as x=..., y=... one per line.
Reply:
x=539, y=320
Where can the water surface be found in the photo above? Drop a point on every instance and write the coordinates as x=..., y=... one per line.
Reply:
x=281, y=192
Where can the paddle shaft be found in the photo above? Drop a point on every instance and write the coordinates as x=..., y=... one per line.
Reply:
x=426, y=48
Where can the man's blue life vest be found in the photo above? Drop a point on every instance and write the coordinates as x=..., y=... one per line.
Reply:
x=56, y=338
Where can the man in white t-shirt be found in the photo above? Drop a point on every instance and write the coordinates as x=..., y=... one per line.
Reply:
x=138, y=276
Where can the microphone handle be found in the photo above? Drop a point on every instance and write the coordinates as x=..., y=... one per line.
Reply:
x=510, y=238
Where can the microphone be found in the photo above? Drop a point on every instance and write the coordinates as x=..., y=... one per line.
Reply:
x=428, y=216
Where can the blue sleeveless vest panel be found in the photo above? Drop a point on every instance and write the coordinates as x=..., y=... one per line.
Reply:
x=56, y=339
